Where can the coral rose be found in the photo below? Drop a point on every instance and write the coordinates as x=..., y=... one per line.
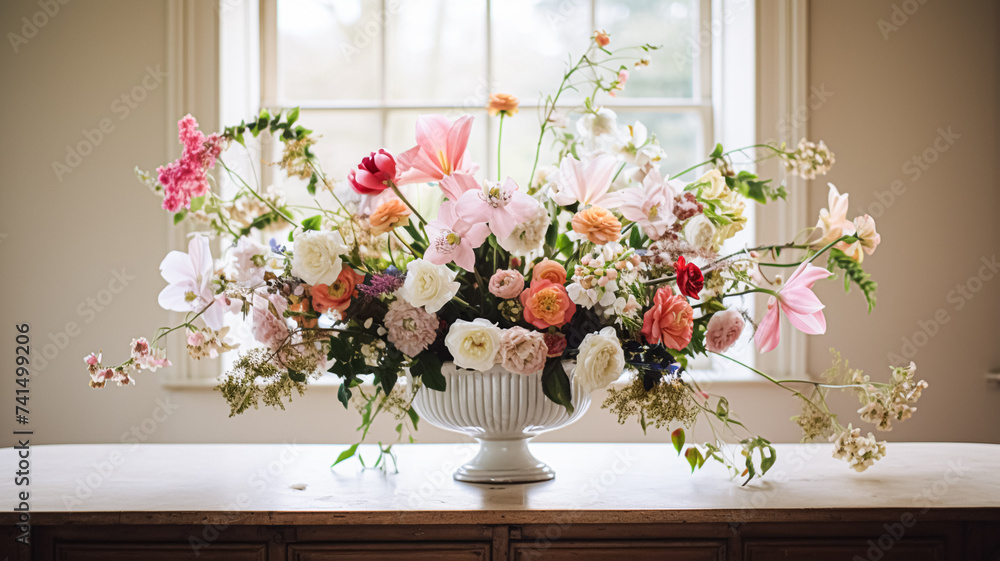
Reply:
x=502, y=103
x=336, y=296
x=547, y=304
x=597, y=225
x=670, y=321
x=549, y=270
x=506, y=284
x=389, y=215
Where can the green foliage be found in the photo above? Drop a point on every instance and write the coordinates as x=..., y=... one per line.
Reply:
x=312, y=223
x=427, y=367
x=752, y=187
x=854, y=273
x=283, y=129
x=677, y=438
x=555, y=384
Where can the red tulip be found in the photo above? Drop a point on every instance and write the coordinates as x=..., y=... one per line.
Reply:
x=375, y=173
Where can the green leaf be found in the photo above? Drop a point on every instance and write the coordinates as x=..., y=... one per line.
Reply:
x=312, y=223
x=296, y=376
x=853, y=273
x=694, y=458
x=677, y=437
x=413, y=417
x=344, y=393
x=197, y=203
x=766, y=461
x=313, y=180
x=427, y=366
x=722, y=409
x=346, y=454
x=717, y=153
x=293, y=116
x=180, y=216
x=555, y=384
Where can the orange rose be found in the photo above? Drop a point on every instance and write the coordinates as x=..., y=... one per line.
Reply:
x=502, y=103
x=389, y=215
x=336, y=296
x=670, y=320
x=547, y=304
x=301, y=308
x=597, y=225
x=549, y=270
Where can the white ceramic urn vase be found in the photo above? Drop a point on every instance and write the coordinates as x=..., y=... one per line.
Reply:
x=503, y=411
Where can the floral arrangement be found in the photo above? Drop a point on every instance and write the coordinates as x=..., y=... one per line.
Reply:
x=599, y=257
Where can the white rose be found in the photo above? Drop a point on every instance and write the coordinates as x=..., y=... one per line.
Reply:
x=316, y=257
x=474, y=344
x=428, y=285
x=529, y=235
x=716, y=188
x=700, y=232
x=604, y=121
x=601, y=360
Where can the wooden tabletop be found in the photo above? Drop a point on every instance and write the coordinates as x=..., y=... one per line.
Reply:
x=595, y=483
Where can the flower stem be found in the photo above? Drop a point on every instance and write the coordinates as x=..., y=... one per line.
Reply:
x=402, y=198
x=499, y=140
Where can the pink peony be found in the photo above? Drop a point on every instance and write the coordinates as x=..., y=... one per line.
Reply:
x=723, y=330
x=410, y=329
x=522, y=351
x=506, y=284
x=187, y=177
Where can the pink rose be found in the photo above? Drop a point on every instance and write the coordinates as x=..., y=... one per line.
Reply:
x=522, y=351
x=724, y=328
x=506, y=284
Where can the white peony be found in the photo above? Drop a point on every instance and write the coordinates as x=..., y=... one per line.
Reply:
x=586, y=297
x=316, y=257
x=700, y=232
x=716, y=188
x=529, y=235
x=428, y=285
x=601, y=360
x=591, y=125
x=474, y=344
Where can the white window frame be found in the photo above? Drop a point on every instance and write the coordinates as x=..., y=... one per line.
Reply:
x=196, y=84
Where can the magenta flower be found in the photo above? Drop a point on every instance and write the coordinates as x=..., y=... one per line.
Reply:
x=501, y=205
x=586, y=182
x=188, y=176
x=440, y=150
x=375, y=173
x=801, y=306
x=453, y=239
x=189, y=277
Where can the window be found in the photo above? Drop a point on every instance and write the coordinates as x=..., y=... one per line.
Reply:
x=361, y=71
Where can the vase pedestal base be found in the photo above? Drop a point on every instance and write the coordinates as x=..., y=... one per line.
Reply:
x=504, y=461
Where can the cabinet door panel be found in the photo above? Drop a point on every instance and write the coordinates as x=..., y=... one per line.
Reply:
x=159, y=552
x=400, y=551
x=844, y=550
x=632, y=551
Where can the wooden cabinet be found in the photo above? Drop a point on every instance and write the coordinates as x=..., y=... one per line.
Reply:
x=609, y=502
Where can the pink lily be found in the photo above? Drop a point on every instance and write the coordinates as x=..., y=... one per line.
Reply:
x=189, y=277
x=440, y=150
x=650, y=206
x=454, y=239
x=796, y=299
x=499, y=204
x=587, y=182
x=457, y=184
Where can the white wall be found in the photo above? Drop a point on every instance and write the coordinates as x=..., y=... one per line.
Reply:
x=65, y=239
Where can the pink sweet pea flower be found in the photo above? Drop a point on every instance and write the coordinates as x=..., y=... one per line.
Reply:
x=501, y=205
x=189, y=277
x=796, y=299
x=586, y=182
x=440, y=150
x=454, y=239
